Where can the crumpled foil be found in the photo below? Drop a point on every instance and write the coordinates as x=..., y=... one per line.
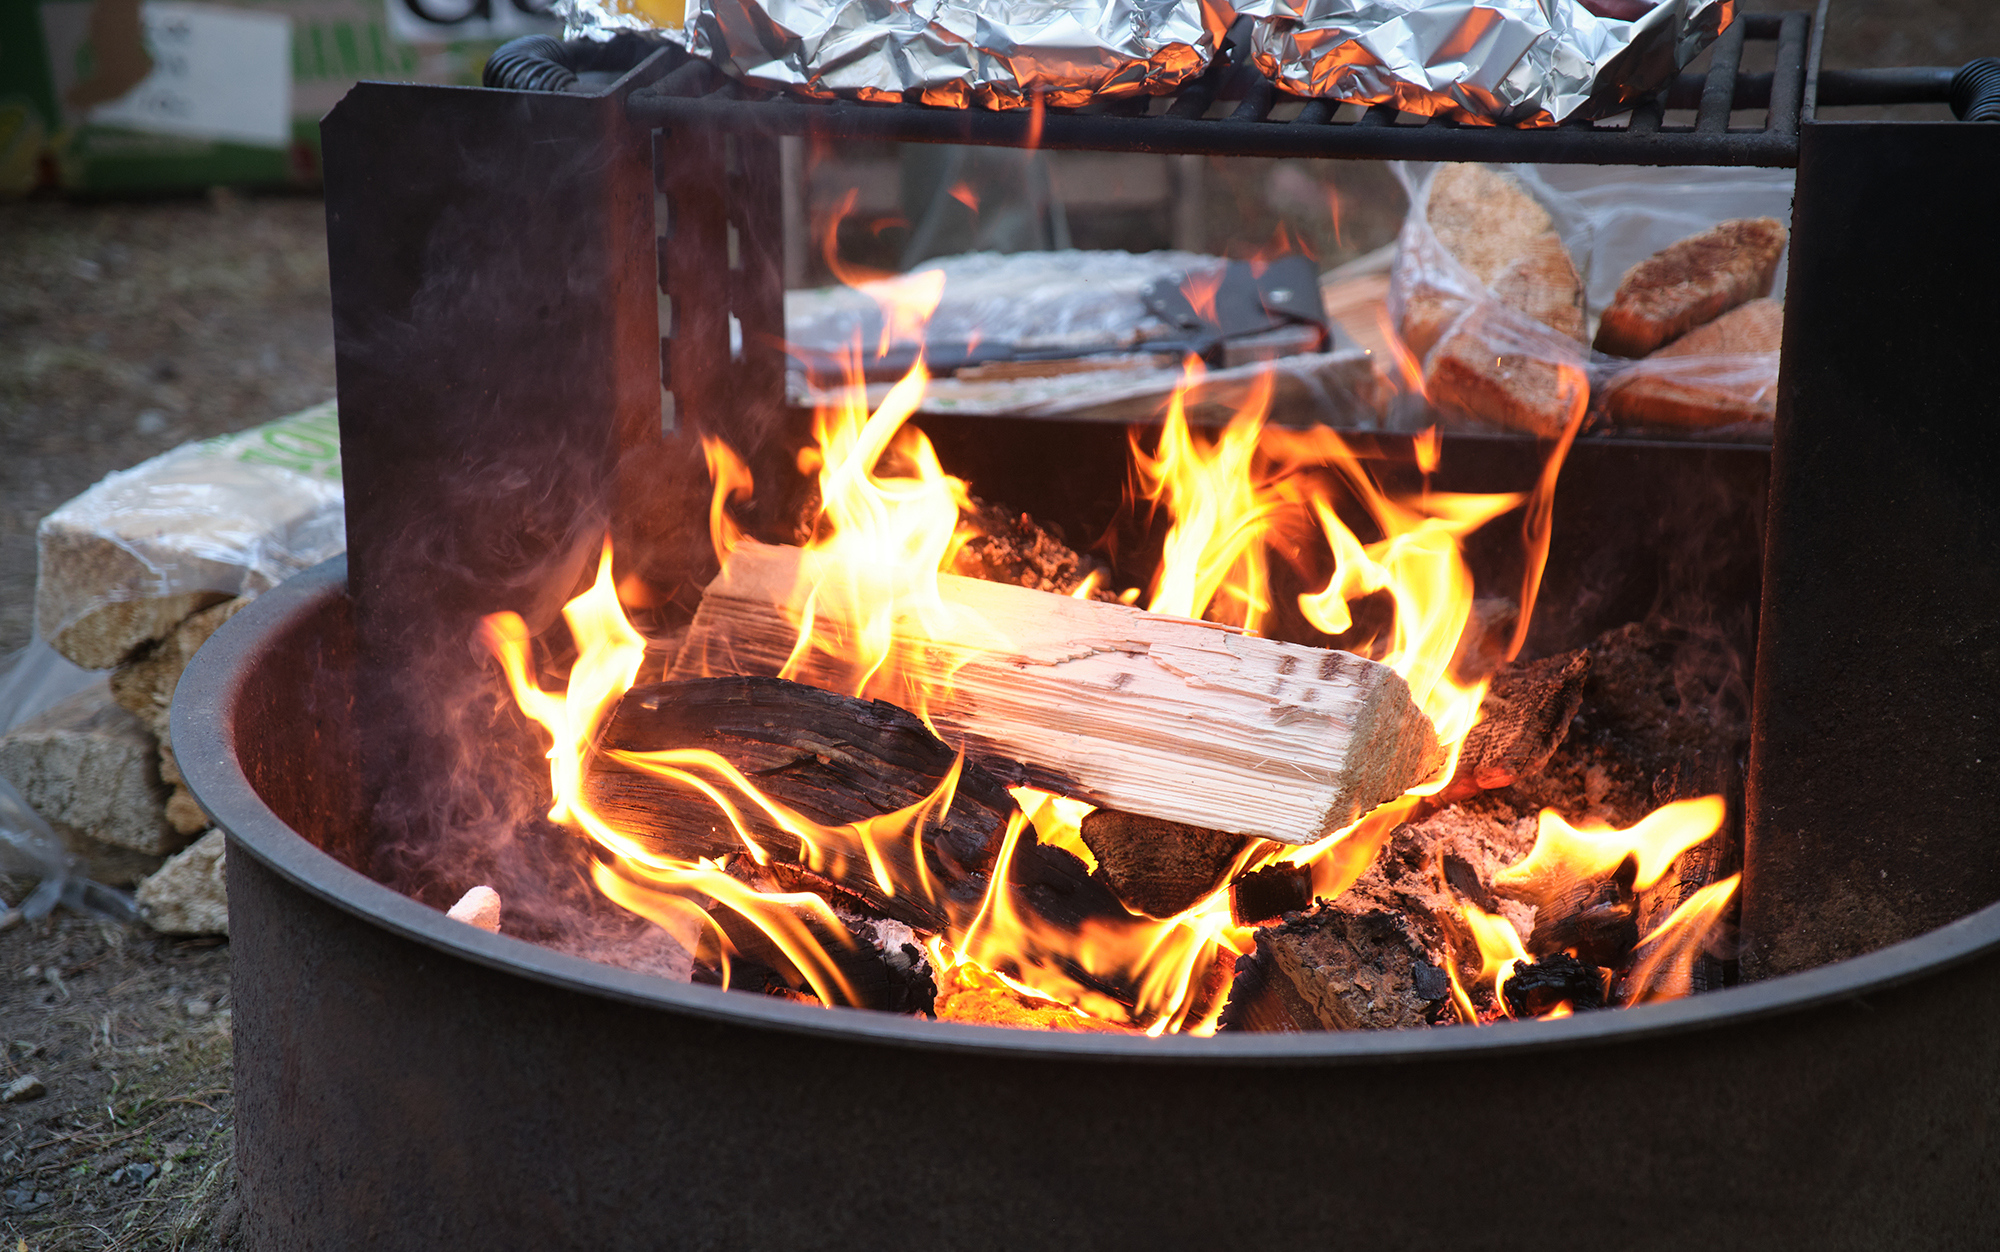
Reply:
x=1492, y=62
x=996, y=53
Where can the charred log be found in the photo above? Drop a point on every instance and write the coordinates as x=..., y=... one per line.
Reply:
x=1596, y=920
x=832, y=758
x=1522, y=721
x=1658, y=703
x=1377, y=957
x=1015, y=549
x=835, y=759
x=1270, y=893
x=892, y=977
x=1156, y=867
x=1544, y=985
x=1347, y=965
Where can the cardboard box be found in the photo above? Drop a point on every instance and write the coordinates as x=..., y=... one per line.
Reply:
x=137, y=95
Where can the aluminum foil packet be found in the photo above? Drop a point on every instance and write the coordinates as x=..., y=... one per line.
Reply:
x=998, y=54
x=1484, y=62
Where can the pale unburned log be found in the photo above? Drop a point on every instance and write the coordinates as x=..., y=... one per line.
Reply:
x=1160, y=716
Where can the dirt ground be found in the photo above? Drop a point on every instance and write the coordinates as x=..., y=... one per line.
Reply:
x=126, y=329
x=128, y=1033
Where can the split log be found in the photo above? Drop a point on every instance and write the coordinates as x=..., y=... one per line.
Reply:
x=89, y=768
x=1184, y=721
x=1158, y=868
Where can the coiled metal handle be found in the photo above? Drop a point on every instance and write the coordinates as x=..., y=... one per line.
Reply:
x=531, y=63
x=1975, y=91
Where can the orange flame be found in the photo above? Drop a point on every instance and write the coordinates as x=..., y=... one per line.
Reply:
x=1500, y=951
x=732, y=484
x=1564, y=854
x=868, y=593
x=1427, y=447
x=1214, y=547
x=1409, y=370
x=1667, y=954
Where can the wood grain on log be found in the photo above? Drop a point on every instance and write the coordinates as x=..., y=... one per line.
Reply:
x=1522, y=721
x=836, y=759
x=1180, y=720
x=832, y=758
x=1158, y=868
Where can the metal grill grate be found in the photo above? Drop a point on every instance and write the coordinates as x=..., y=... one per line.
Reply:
x=1232, y=110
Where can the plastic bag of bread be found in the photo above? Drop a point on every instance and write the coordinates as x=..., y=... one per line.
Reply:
x=1487, y=297
x=1657, y=285
x=1720, y=378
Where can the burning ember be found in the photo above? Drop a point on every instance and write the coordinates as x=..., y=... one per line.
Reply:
x=869, y=780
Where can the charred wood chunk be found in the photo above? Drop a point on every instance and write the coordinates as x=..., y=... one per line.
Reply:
x=1014, y=548
x=893, y=977
x=1596, y=920
x=1347, y=965
x=1539, y=988
x=1270, y=893
x=1523, y=719
x=1158, y=868
x=1659, y=701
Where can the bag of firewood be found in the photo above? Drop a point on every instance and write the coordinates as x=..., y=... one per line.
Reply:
x=126, y=562
x=1642, y=300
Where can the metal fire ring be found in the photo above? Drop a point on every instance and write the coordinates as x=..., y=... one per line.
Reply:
x=204, y=742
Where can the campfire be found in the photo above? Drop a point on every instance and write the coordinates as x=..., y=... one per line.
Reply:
x=920, y=755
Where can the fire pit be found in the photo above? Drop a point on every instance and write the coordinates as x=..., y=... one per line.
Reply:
x=500, y=258
x=405, y=1080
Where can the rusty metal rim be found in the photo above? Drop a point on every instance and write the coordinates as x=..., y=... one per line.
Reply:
x=203, y=737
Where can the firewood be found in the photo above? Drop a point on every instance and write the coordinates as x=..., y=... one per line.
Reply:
x=1158, y=868
x=1377, y=957
x=1539, y=987
x=894, y=981
x=1269, y=893
x=1180, y=720
x=1596, y=920
x=1015, y=549
x=970, y=996
x=1709, y=861
x=1349, y=964
x=1522, y=721
x=1655, y=697
x=833, y=758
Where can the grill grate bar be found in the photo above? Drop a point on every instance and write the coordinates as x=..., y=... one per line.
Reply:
x=1228, y=112
x=1718, y=94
